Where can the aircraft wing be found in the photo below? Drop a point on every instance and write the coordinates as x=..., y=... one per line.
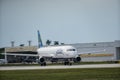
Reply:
x=91, y=52
x=16, y=54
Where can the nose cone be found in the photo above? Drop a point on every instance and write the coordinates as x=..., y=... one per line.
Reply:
x=72, y=53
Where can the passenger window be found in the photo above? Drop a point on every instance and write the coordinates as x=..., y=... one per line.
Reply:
x=71, y=50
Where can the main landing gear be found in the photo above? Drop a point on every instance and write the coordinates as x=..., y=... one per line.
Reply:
x=67, y=62
x=43, y=64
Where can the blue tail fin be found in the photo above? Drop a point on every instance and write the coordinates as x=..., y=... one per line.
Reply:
x=40, y=44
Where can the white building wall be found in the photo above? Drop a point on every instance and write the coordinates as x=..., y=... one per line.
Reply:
x=109, y=47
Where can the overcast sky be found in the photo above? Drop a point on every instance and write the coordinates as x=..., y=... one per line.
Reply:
x=67, y=21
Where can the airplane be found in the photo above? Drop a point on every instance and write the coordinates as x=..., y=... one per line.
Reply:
x=65, y=53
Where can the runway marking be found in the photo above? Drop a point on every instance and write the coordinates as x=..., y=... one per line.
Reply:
x=59, y=67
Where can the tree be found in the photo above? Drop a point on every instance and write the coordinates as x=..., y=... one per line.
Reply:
x=62, y=43
x=21, y=45
x=48, y=42
x=56, y=42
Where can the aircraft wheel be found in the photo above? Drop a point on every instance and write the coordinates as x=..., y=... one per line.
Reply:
x=44, y=63
x=70, y=64
x=65, y=63
x=41, y=64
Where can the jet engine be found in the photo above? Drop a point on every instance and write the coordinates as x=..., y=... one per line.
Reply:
x=42, y=62
x=77, y=59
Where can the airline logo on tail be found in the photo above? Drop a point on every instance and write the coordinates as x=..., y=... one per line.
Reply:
x=40, y=44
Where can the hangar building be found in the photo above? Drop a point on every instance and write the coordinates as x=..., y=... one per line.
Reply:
x=18, y=50
x=100, y=51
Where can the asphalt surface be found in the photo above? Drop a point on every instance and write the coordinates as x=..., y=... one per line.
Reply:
x=59, y=67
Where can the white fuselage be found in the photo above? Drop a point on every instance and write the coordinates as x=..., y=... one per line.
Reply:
x=57, y=52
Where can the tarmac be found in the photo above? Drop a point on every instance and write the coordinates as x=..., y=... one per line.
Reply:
x=59, y=67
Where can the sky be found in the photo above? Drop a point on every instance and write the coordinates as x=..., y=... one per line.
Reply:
x=66, y=21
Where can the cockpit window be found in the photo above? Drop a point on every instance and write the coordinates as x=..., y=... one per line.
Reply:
x=71, y=50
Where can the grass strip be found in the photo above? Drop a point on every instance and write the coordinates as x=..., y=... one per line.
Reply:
x=62, y=74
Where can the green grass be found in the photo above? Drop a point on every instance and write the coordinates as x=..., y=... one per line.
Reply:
x=62, y=74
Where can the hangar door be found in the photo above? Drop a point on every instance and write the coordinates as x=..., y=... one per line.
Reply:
x=118, y=53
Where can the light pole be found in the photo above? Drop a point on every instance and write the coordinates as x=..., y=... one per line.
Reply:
x=29, y=42
x=5, y=56
x=12, y=43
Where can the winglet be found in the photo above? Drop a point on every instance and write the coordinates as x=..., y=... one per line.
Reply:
x=40, y=44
